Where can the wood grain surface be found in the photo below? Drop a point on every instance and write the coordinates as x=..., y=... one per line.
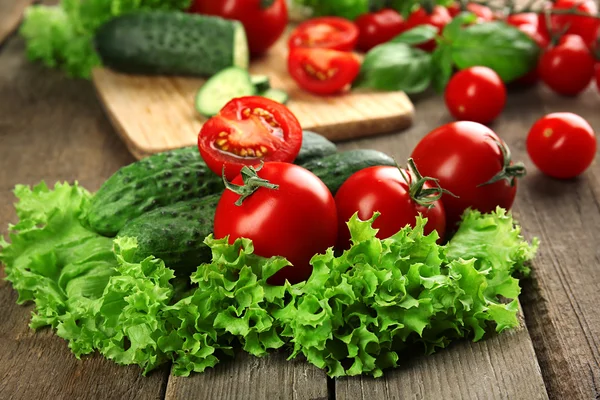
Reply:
x=53, y=128
x=11, y=13
x=155, y=114
x=248, y=377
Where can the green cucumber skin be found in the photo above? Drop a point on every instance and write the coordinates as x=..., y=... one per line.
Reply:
x=175, y=233
x=314, y=146
x=153, y=182
x=170, y=43
x=335, y=169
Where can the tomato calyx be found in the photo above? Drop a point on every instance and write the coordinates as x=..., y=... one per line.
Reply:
x=264, y=4
x=252, y=182
x=510, y=172
x=418, y=193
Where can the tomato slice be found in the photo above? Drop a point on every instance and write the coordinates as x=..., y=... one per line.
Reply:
x=248, y=131
x=323, y=71
x=327, y=32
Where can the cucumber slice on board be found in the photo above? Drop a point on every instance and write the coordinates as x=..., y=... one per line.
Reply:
x=221, y=88
x=261, y=82
x=277, y=95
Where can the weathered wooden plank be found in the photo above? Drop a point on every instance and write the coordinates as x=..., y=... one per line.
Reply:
x=53, y=128
x=503, y=366
x=249, y=378
x=11, y=12
x=561, y=301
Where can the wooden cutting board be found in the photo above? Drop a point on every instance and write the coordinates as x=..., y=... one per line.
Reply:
x=155, y=114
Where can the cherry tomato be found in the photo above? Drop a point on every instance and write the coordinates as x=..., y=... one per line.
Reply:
x=323, y=71
x=567, y=68
x=523, y=19
x=333, y=33
x=247, y=131
x=482, y=12
x=264, y=22
x=586, y=27
x=598, y=76
x=562, y=145
x=385, y=189
x=476, y=94
x=439, y=18
x=532, y=76
x=471, y=162
x=378, y=27
x=296, y=220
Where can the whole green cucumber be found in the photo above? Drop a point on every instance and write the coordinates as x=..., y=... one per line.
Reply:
x=175, y=233
x=171, y=43
x=334, y=169
x=314, y=146
x=153, y=182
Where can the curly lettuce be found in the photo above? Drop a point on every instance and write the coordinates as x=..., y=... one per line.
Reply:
x=357, y=314
x=61, y=36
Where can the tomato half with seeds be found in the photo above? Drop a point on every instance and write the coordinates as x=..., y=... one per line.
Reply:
x=333, y=33
x=288, y=212
x=323, y=71
x=248, y=131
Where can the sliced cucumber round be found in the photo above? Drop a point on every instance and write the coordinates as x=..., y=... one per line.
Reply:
x=277, y=95
x=261, y=82
x=226, y=85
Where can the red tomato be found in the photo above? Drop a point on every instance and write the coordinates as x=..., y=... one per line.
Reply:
x=482, y=12
x=385, y=189
x=598, y=76
x=322, y=71
x=465, y=157
x=567, y=68
x=333, y=33
x=586, y=27
x=378, y=27
x=439, y=18
x=476, y=94
x=296, y=221
x=533, y=76
x=562, y=145
x=264, y=21
x=523, y=19
x=247, y=131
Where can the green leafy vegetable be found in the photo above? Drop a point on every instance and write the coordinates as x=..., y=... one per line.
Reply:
x=356, y=314
x=395, y=66
x=418, y=35
x=61, y=36
x=504, y=48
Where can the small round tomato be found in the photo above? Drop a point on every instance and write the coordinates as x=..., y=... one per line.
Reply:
x=532, y=76
x=439, y=18
x=472, y=163
x=568, y=67
x=562, y=145
x=580, y=25
x=378, y=27
x=396, y=194
x=483, y=13
x=476, y=94
x=323, y=71
x=264, y=21
x=523, y=19
x=248, y=131
x=296, y=219
x=333, y=33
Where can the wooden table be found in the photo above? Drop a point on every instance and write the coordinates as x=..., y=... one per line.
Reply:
x=53, y=128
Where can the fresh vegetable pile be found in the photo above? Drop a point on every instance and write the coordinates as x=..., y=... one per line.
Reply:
x=343, y=258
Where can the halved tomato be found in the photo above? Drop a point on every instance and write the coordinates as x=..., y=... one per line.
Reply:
x=326, y=32
x=323, y=71
x=247, y=131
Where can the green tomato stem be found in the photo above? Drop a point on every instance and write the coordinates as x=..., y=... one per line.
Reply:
x=252, y=182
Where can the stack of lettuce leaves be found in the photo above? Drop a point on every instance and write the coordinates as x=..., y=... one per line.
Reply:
x=357, y=314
